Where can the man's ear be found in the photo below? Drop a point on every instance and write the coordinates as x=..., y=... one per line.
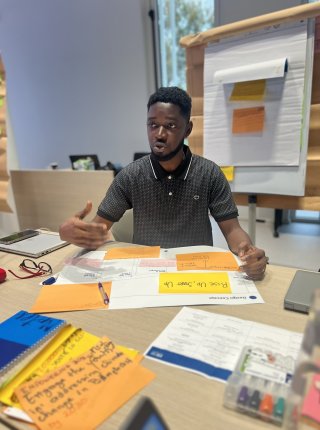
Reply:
x=189, y=129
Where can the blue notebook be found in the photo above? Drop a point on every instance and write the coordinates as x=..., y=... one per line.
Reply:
x=21, y=333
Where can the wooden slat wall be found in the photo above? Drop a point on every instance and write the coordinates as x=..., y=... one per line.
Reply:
x=4, y=177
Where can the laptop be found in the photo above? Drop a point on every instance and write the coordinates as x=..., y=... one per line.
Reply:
x=300, y=293
x=36, y=246
x=85, y=162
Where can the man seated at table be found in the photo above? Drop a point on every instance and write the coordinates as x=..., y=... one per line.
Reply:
x=171, y=192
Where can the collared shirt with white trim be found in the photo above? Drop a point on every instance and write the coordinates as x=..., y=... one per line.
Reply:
x=170, y=209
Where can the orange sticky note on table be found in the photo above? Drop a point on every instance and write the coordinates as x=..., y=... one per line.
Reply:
x=248, y=120
x=70, y=297
x=84, y=391
x=133, y=252
x=207, y=261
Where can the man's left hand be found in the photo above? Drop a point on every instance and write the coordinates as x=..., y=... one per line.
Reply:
x=254, y=261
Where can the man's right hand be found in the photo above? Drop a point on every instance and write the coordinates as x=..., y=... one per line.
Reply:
x=88, y=235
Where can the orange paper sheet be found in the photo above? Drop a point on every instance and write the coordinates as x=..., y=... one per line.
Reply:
x=133, y=252
x=248, y=120
x=70, y=297
x=207, y=261
x=85, y=391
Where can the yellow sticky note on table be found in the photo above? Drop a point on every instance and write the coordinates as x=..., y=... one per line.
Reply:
x=70, y=297
x=207, y=261
x=228, y=172
x=133, y=252
x=249, y=90
x=194, y=283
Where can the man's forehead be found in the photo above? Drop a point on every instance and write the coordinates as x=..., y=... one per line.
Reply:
x=170, y=110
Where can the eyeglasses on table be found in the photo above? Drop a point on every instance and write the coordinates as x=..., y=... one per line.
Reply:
x=33, y=268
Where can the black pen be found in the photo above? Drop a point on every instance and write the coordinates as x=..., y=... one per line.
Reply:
x=103, y=294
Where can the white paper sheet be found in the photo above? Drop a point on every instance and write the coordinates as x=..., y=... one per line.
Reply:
x=210, y=344
x=264, y=70
x=279, y=142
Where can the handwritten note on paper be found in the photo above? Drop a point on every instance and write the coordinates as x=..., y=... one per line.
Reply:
x=133, y=252
x=207, y=261
x=85, y=391
x=228, y=172
x=248, y=120
x=250, y=90
x=70, y=297
x=76, y=344
x=59, y=351
x=194, y=283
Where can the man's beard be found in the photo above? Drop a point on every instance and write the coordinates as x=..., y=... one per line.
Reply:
x=168, y=156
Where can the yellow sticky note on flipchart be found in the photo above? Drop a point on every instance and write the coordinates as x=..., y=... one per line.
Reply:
x=228, y=172
x=249, y=90
x=194, y=283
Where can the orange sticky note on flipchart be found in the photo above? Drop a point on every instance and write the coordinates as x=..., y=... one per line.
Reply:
x=84, y=391
x=133, y=252
x=70, y=297
x=207, y=261
x=248, y=120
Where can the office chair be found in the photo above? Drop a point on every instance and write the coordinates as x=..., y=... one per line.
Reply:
x=123, y=229
x=138, y=155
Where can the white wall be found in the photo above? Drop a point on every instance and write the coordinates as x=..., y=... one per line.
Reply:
x=78, y=75
x=78, y=78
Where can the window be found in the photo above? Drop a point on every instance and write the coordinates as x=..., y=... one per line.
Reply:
x=177, y=18
x=305, y=216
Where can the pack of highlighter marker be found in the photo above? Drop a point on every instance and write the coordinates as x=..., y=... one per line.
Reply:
x=260, y=384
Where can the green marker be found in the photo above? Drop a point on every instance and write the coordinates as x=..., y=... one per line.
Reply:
x=278, y=410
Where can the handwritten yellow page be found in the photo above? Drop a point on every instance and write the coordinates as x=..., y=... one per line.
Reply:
x=249, y=90
x=194, y=283
x=70, y=297
x=70, y=344
x=207, y=261
x=133, y=252
x=248, y=120
x=84, y=391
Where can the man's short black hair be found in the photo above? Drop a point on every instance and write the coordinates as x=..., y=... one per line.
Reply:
x=173, y=95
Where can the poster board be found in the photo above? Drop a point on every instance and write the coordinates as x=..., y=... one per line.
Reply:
x=195, y=45
x=272, y=159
